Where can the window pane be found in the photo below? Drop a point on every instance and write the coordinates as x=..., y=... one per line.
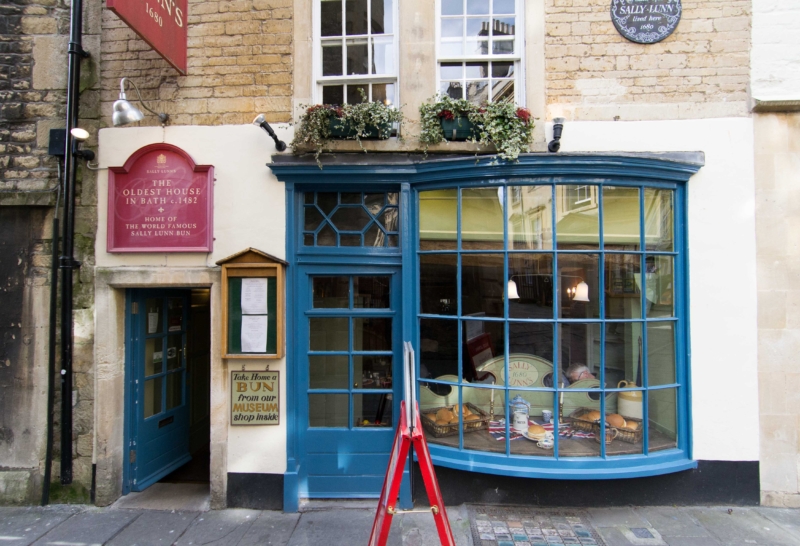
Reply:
x=437, y=219
x=174, y=351
x=326, y=236
x=333, y=94
x=438, y=340
x=503, y=90
x=662, y=419
x=454, y=90
x=371, y=292
x=659, y=280
x=174, y=390
x=349, y=240
x=350, y=218
x=623, y=281
x=483, y=341
x=382, y=57
x=481, y=219
x=502, y=70
x=357, y=60
x=327, y=201
x=503, y=6
x=538, y=401
x=579, y=286
x=658, y=219
x=477, y=47
x=372, y=372
x=452, y=28
x=579, y=355
x=328, y=372
x=372, y=334
x=332, y=59
x=152, y=397
x=482, y=285
x=477, y=70
x=478, y=92
x=475, y=7
x=328, y=410
x=356, y=17
x=503, y=47
x=382, y=16
x=438, y=284
x=661, y=353
x=452, y=7
x=624, y=347
x=530, y=211
x=331, y=17
x=331, y=292
x=532, y=338
x=477, y=26
x=532, y=276
x=388, y=219
x=383, y=92
x=451, y=49
x=356, y=94
x=372, y=410
x=153, y=356
x=621, y=218
x=505, y=26
x=329, y=334
x=155, y=315
x=577, y=223
x=312, y=218
x=451, y=71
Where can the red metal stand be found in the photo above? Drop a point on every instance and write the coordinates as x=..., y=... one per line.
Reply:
x=403, y=440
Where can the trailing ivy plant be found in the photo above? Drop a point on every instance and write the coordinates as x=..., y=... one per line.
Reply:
x=357, y=121
x=508, y=127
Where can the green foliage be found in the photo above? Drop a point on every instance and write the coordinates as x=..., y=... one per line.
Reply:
x=356, y=121
x=502, y=124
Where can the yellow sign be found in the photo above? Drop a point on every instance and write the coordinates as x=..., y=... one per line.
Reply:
x=255, y=398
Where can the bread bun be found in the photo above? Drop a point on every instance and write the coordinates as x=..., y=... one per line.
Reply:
x=466, y=410
x=472, y=417
x=454, y=419
x=616, y=420
x=537, y=432
x=593, y=415
x=444, y=414
x=631, y=425
x=442, y=422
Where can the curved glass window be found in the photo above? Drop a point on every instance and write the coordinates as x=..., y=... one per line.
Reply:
x=551, y=311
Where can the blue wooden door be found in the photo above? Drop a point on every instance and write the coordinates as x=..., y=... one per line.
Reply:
x=158, y=408
x=350, y=369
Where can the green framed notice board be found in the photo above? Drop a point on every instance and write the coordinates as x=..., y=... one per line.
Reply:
x=253, y=305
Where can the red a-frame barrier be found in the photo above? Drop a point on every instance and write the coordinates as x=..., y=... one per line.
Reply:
x=403, y=440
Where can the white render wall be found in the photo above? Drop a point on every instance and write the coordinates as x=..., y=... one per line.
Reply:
x=775, y=56
x=722, y=262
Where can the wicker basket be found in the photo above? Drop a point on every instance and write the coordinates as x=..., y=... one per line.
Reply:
x=438, y=431
x=577, y=421
x=630, y=436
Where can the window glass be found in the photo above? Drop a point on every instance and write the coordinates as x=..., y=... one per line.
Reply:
x=351, y=219
x=578, y=219
x=658, y=219
x=437, y=219
x=482, y=219
x=621, y=218
x=530, y=221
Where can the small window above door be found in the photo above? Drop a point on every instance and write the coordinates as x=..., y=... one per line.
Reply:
x=351, y=219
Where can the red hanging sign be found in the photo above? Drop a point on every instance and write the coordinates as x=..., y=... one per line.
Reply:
x=403, y=440
x=160, y=201
x=160, y=23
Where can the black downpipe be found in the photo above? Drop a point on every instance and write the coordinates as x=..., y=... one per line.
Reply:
x=67, y=261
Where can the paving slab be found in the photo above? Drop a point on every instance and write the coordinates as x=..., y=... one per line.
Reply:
x=24, y=525
x=275, y=529
x=184, y=497
x=622, y=516
x=742, y=526
x=153, y=528
x=219, y=528
x=419, y=529
x=333, y=527
x=93, y=527
x=671, y=521
x=691, y=541
x=787, y=518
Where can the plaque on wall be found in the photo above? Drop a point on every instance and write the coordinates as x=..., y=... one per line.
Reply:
x=255, y=398
x=645, y=21
x=160, y=201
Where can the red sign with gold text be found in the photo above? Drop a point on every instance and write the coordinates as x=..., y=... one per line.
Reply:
x=160, y=201
x=160, y=23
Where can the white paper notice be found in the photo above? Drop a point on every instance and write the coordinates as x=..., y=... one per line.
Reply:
x=152, y=323
x=254, y=296
x=254, y=334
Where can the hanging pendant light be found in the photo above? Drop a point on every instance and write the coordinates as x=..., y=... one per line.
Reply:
x=512, y=290
x=581, y=292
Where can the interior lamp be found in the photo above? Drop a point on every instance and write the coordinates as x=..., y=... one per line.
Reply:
x=581, y=292
x=512, y=290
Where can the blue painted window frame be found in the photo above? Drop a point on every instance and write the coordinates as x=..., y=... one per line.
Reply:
x=644, y=170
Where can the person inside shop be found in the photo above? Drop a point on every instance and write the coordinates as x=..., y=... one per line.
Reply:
x=575, y=372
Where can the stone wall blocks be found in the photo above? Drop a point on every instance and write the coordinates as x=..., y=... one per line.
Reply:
x=224, y=105
x=39, y=25
x=206, y=29
x=222, y=41
x=202, y=8
x=243, y=27
x=235, y=6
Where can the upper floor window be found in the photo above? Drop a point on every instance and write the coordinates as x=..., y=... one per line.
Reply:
x=357, y=51
x=479, y=50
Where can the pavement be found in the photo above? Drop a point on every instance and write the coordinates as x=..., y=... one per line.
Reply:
x=330, y=523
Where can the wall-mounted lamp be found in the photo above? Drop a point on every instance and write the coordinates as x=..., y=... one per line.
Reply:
x=580, y=292
x=81, y=136
x=124, y=112
x=262, y=122
x=558, y=128
x=512, y=290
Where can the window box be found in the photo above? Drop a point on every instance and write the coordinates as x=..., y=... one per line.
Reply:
x=344, y=129
x=458, y=128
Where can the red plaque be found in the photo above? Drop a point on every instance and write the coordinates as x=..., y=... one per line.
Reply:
x=160, y=23
x=160, y=201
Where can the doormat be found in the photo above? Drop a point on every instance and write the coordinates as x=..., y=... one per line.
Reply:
x=529, y=526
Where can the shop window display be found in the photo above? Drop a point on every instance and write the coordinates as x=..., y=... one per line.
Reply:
x=555, y=302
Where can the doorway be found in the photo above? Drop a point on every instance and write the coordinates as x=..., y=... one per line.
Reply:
x=168, y=387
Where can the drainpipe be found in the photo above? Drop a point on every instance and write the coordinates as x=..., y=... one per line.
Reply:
x=67, y=262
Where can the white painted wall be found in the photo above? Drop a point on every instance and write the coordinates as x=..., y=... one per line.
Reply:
x=775, y=54
x=249, y=211
x=722, y=258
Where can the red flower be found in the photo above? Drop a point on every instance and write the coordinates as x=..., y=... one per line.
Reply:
x=524, y=114
x=447, y=114
x=337, y=111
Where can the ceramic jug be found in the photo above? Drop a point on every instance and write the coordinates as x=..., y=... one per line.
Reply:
x=629, y=404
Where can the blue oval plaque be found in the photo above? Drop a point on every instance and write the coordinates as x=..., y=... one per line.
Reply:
x=645, y=21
